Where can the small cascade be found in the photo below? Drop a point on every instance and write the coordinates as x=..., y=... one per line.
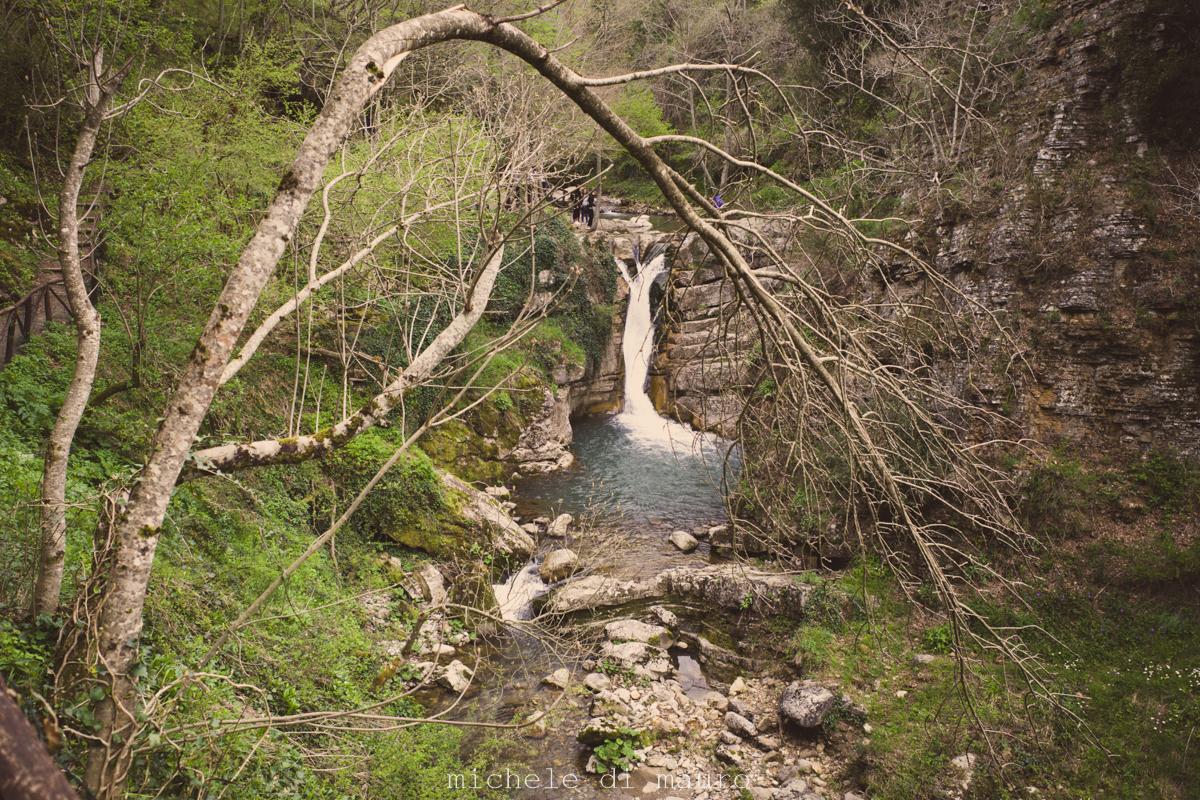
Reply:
x=516, y=595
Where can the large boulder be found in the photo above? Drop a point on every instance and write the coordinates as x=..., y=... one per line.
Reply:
x=557, y=565
x=806, y=703
x=628, y=653
x=508, y=540
x=735, y=587
x=456, y=677
x=684, y=541
x=632, y=630
x=738, y=588
x=597, y=591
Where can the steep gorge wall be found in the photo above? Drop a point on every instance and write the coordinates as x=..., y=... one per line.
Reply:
x=1092, y=256
x=1079, y=229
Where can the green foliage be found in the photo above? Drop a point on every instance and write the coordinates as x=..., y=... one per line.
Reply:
x=408, y=494
x=31, y=389
x=619, y=752
x=422, y=763
x=1037, y=15
x=503, y=402
x=1058, y=496
x=309, y=649
x=770, y=195
x=939, y=639
x=633, y=185
x=827, y=605
x=1169, y=481
x=812, y=646
x=19, y=253
x=638, y=107
x=819, y=27
x=179, y=209
x=550, y=341
x=24, y=657
x=33, y=384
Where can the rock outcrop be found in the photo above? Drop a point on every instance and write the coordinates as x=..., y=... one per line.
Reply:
x=733, y=587
x=508, y=539
x=542, y=446
x=1075, y=227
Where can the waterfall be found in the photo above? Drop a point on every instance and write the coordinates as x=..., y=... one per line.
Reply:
x=638, y=344
x=639, y=416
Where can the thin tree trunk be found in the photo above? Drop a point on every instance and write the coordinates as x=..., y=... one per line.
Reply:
x=87, y=335
x=136, y=533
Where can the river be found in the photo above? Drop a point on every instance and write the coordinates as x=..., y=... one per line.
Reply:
x=637, y=476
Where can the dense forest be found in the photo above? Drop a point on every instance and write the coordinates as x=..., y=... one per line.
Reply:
x=780, y=400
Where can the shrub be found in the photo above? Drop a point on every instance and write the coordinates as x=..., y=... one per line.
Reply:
x=939, y=639
x=1169, y=481
x=619, y=752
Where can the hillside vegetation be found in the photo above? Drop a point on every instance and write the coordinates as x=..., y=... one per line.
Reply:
x=967, y=415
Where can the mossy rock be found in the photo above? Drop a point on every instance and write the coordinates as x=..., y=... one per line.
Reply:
x=409, y=505
x=459, y=448
x=443, y=535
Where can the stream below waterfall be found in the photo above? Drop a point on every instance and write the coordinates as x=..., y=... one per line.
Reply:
x=637, y=476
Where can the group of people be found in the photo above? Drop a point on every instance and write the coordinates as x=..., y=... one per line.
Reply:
x=583, y=209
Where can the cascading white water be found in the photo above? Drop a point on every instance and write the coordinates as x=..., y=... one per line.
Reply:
x=639, y=416
x=515, y=596
x=638, y=345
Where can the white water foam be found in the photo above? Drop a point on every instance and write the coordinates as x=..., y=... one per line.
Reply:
x=639, y=417
x=516, y=595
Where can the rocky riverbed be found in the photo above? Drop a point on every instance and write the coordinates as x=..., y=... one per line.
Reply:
x=620, y=650
x=647, y=705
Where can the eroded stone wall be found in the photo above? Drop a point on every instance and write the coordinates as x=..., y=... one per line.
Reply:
x=1079, y=229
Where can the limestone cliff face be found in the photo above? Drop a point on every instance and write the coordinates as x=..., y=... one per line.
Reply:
x=1079, y=227
x=700, y=375
x=600, y=387
x=591, y=388
x=1092, y=255
x=707, y=340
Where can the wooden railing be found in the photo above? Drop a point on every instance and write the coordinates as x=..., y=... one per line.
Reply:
x=48, y=301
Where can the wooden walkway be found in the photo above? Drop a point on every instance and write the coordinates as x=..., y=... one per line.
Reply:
x=47, y=301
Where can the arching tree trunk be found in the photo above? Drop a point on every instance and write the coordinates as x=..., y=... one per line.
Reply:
x=136, y=531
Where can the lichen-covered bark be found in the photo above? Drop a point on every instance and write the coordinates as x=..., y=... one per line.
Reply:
x=48, y=587
x=135, y=534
